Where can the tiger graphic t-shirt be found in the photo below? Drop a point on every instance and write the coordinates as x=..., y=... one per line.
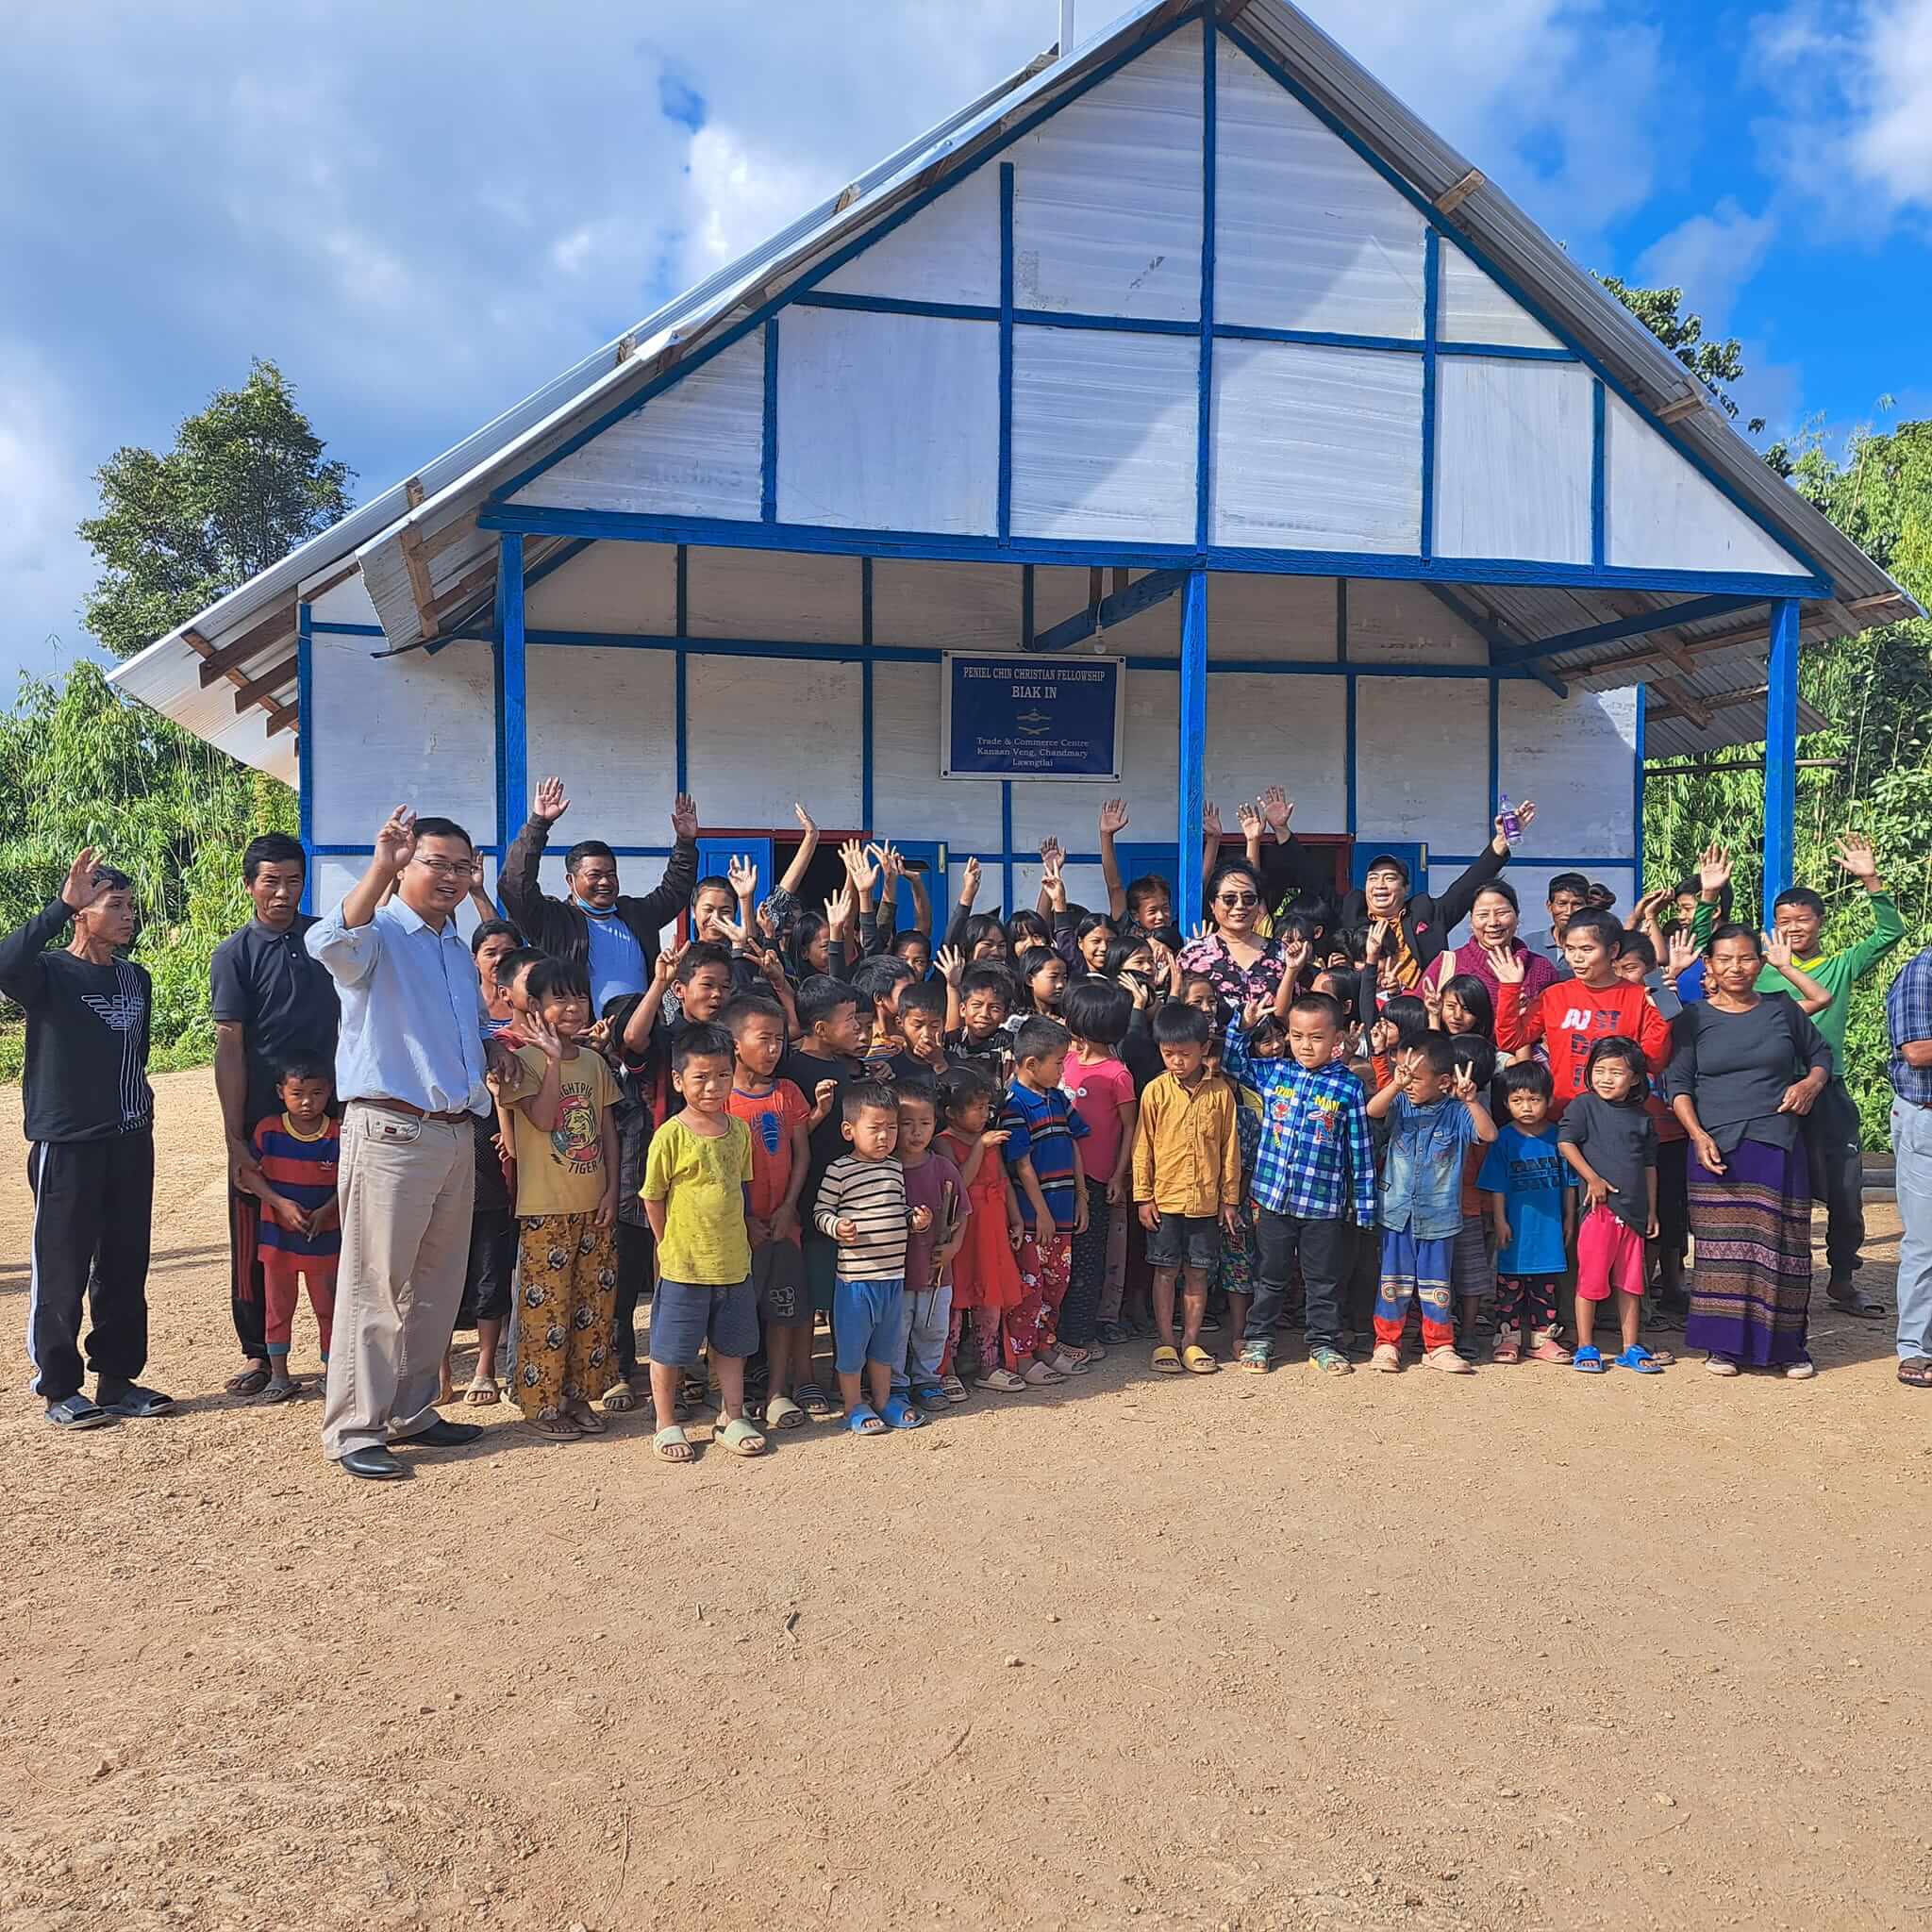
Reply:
x=562, y=1172
x=771, y=1118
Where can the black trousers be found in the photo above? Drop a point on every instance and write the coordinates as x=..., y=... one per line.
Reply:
x=247, y=1297
x=1327, y=1251
x=93, y=1218
x=1088, y=1273
x=633, y=1273
x=1838, y=1173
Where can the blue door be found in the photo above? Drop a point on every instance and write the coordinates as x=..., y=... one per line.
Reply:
x=1140, y=861
x=925, y=860
x=715, y=857
x=1412, y=854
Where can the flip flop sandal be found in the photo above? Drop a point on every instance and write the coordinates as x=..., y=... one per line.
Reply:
x=1915, y=1371
x=249, y=1382
x=740, y=1437
x=620, y=1399
x=1039, y=1375
x=1167, y=1362
x=900, y=1414
x=280, y=1392
x=1639, y=1360
x=588, y=1422
x=673, y=1437
x=781, y=1413
x=1067, y=1364
x=1857, y=1303
x=865, y=1421
x=953, y=1388
x=814, y=1401
x=549, y=1429
x=1197, y=1361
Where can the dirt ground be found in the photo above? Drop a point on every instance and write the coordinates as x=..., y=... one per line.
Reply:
x=1518, y=1650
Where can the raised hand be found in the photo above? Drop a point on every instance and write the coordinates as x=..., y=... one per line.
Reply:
x=951, y=962
x=1778, y=952
x=1277, y=807
x=1382, y=1036
x=1463, y=1082
x=1714, y=870
x=1855, y=855
x=395, y=844
x=838, y=910
x=1506, y=964
x=82, y=889
x=541, y=1034
x=859, y=867
x=742, y=876
x=1379, y=938
x=1051, y=853
x=551, y=802
x=822, y=1096
x=807, y=825
x=683, y=816
x=969, y=882
x=1202, y=931
x=1162, y=956
x=1249, y=818
x=1431, y=997
x=1253, y=1012
x=1211, y=820
x=1525, y=813
x=730, y=929
x=664, y=970
x=1680, y=954
x=1294, y=958
x=1113, y=817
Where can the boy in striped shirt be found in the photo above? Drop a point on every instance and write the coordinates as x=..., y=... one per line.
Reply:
x=861, y=1206
x=301, y=1239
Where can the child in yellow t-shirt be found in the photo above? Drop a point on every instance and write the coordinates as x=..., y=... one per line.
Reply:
x=696, y=1191
x=566, y=1149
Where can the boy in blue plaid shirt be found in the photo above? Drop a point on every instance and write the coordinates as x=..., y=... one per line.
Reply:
x=1315, y=1175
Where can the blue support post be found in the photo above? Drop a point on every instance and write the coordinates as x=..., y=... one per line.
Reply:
x=1636, y=806
x=304, y=751
x=1432, y=283
x=1781, y=749
x=513, y=720
x=1194, y=748
x=1004, y=509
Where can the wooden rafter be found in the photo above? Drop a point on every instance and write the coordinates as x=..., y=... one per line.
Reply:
x=266, y=683
x=1458, y=191
x=272, y=629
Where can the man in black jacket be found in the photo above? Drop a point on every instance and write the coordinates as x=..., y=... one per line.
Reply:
x=615, y=937
x=1422, y=922
x=90, y=1161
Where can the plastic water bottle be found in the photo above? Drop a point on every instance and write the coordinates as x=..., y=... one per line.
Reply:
x=1512, y=825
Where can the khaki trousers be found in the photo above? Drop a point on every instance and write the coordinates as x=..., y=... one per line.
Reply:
x=407, y=1188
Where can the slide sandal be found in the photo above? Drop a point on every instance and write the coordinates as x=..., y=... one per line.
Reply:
x=781, y=1413
x=1589, y=1360
x=1198, y=1361
x=740, y=1437
x=1167, y=1362
x=864, y=1420
x=900, y=1414
x=1639, y=1360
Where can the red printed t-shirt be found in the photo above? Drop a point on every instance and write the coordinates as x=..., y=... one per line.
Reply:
x=1570, y=1018
x=771, y=1118
x=1098, y=1090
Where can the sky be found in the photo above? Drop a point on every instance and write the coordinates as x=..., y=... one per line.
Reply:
x=423, y=211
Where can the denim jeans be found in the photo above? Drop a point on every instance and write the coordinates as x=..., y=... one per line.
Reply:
x=1911, y=1144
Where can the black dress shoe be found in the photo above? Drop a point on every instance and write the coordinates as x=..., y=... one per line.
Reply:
x=373, y=1464
x=131, y=1398
x=440, y=1435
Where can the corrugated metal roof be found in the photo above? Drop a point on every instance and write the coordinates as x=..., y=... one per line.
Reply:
x=430, y=524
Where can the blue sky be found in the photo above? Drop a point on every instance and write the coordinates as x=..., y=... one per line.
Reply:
x=422, y=222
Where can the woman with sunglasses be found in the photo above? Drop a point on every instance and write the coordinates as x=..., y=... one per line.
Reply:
x=1241, y=964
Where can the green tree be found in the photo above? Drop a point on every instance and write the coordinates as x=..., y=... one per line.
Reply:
x=244, y=484
x=1713, y=363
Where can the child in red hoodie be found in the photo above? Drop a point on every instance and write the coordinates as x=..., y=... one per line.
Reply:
x=1571, y=1016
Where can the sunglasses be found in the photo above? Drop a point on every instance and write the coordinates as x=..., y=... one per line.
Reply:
x=1240, y=899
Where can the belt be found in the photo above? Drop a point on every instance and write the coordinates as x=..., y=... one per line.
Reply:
x=415, y=1113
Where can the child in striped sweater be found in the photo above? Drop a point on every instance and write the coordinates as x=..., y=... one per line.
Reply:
x=861, y=1206
x=301, y=1239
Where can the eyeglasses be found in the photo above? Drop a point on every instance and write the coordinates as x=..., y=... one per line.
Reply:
x=1240, y=899
x=448, y=868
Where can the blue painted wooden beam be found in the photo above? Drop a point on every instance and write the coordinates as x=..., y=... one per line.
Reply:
x=1194, y=747
x=1780, y=751
x=1693, y=611
x=1142, y=594
x=1499, y=640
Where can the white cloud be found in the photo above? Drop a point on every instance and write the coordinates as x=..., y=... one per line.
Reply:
x=741, y=193
x=1710, y=258
x=1855, y=80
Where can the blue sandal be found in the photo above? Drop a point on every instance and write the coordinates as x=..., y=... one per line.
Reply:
x=900, y=1414
x=1639, y=1360
x=860, y=1416
x=1589, y=1361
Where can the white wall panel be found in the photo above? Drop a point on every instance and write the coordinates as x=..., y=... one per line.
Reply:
x=605, y=722
x=1512, y=459
x=1070, y=811
x=1307, y=234
x=1106, y=205
x=609, y=587
x=1574, y=758
x=910, y=798
x=888, y=422
x=1317, y=448
x=766, y=731
x=1471, y=308
x=951, y=607
x=1391, y=622
x=418, y=730
x=948, y=252
x=1250, y=615
x=1662, y=514
x=344, y=603
x=1290, y=731
x=1086, y=887
x=1105, y=435
x=1423, y=760
x=777, y=596
x=694, y=451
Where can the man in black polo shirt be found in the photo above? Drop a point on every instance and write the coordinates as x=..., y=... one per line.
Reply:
x=272, y=1001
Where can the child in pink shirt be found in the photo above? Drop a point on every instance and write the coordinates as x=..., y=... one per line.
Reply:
x=1097, y=1082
